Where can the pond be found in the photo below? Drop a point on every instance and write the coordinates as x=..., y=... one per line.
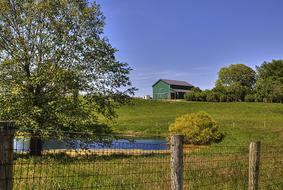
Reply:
x=141, y=144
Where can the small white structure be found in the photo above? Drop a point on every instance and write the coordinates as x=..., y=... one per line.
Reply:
x=147, y=97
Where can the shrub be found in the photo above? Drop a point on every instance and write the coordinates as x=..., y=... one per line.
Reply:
x=223, y=98
x=250, y=98
x=200, y=96
x=190, y=96
x=212, y=97
x=198, y=128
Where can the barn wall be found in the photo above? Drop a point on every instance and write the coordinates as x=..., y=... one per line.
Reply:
x=161, y=90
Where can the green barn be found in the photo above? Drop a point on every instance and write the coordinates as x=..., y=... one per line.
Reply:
x=170, y=89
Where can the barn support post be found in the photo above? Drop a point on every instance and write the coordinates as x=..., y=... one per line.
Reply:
x=177, y=164
x=7, y=132
x=254, y=162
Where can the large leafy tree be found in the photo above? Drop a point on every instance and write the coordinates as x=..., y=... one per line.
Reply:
x=236, y=81
x=57, y=70
x=272, y=70
x=269, y=85
x=236, y=73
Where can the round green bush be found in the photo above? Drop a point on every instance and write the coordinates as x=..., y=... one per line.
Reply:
x=197, y=128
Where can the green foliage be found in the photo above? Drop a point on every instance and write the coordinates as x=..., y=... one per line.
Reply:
x=200, y=96
x=250, y=98
x=269, y=90
x=236, y=81
x=195, y=94
x=273, y=70
x=212, y=96
x=269, y=85
x=196, y=89
x=190, y=96
x=236, y=73
x=223, y=98
x=57, y=70
x=198, y=128
x=233, y=84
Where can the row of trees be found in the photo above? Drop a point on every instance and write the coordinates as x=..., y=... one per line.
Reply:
x=239, y=82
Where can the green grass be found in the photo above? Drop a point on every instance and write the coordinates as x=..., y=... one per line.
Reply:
x=242, y=122
x=98, y=172
x=218, y=168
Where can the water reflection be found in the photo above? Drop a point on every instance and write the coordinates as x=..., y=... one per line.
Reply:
x=142, y=144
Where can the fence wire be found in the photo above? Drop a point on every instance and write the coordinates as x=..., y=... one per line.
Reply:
x=218, y=167
x=121, y=162
x=271, y=167
x=107, y=163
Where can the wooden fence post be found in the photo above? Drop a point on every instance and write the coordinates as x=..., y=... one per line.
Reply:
x=7, y=132
x=176, y=144
x=254, y=161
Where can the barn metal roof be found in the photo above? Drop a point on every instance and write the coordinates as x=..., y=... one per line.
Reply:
x=174, y=82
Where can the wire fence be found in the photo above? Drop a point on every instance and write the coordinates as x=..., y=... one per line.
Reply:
x=271, y=167
x=218, y=167
x=122, y=162
x=107, y=163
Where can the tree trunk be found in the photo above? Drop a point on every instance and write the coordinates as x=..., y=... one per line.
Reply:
x=35, y=146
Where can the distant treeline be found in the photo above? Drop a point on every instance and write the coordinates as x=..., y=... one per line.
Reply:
x=239, y=83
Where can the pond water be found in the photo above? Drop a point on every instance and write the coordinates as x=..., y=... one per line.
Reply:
x=141, y=144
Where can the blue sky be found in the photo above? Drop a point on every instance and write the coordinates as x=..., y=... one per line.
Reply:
x=192, y=39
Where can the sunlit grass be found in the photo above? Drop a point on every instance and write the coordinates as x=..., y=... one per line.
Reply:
x=222, y=166
x=204, y=168
x=242, y=122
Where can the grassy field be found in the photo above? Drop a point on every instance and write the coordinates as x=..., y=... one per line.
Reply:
x=242, y=122
x=219, y=168
x=223, y=166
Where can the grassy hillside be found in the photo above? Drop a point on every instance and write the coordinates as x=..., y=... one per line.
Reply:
x=242, y=122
